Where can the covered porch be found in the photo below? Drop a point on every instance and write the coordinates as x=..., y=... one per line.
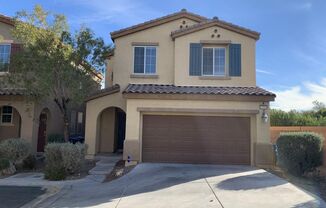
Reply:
x=105, y=122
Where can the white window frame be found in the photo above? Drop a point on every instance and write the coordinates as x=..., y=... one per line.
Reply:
x=133, y=60
x=202, y=63
x=6, y=44
x=10, y=114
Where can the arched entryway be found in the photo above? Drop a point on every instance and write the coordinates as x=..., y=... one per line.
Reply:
x=42, y=129
x=10, y=122
x=111, y=130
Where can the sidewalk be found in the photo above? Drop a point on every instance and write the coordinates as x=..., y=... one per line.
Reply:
x=55, y=189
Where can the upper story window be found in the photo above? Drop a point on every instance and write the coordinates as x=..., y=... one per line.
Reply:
x=144, y=60
x=214, y=61
x=6, y=115
x=4, y=57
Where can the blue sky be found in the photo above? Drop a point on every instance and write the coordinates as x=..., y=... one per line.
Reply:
x=290, y=56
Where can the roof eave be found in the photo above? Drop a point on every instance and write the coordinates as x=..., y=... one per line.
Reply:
x=153, y=23
x=252, y=34
x=190, y=96
x=7, y=20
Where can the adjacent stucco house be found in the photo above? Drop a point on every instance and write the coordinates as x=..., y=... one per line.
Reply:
x=182, y=88
x=20, y=115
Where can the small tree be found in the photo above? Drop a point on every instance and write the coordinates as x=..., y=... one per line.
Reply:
x=54, y=63
x=318, y=106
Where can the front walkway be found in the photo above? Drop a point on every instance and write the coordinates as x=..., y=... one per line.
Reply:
x=177, y=185
x=54, y=189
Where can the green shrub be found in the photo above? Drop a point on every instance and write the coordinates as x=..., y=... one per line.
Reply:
x=55, y=172
x=299, y=152
x=297, y=118
x=29, y=162
x=56, y=138
x=15, y=150
x=54, y=169
x=62, y=159
x=73, y=156
x=4, y=163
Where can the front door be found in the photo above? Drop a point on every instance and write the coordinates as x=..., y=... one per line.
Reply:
x=41, y=133
x=121, y=129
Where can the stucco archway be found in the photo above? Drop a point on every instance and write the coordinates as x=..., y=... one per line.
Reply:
x=43, y=123
x=110, y=132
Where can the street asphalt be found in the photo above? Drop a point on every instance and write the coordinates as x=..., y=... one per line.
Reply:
x=17, y=196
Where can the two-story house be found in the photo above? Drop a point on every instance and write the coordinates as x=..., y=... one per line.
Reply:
x=182, y=88
x=21, y=116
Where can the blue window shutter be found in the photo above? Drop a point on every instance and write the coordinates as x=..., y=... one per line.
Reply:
x=195, y=57
x=235, y=60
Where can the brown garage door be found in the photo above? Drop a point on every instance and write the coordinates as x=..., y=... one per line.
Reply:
x=196, y=139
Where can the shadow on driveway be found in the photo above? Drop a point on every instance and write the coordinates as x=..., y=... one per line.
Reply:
x=247, y=182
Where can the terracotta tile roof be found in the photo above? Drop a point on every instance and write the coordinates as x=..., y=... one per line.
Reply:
x=217, y=22
x=157, y=21
x=104, y=92
x=14, y=91
x=171, y=89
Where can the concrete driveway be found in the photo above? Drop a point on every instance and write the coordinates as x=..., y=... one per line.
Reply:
x=177, y=185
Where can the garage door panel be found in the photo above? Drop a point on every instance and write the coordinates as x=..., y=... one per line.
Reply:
x=204, y=158
x=189, y=148
x=196, y=139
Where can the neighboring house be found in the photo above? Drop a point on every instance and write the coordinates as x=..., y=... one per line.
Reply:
x=20, y=116
x=182, y=88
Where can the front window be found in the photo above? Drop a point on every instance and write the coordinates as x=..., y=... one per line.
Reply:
x=4, y=57
x=144, y=60
x=6, y=115
x=214, y=61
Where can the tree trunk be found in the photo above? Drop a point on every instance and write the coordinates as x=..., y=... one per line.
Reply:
x=64, y=112
x=66, y=127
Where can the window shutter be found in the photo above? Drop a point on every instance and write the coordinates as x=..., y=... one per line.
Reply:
x=15, y=48
x=235, y=60
x=195, y=57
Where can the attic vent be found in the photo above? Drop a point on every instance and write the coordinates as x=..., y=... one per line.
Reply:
x=215, y=34
x=183, y=10
x=215, y=18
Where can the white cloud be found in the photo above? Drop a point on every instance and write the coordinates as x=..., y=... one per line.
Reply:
x=264, y=72
x=305, y=57
x=123, y=12
x=296, y=98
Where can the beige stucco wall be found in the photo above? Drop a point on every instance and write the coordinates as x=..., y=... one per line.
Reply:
x=173, y=57
x=26, y=111
x=259, y=130
x=94, y=108
x=248, y=68
x=54, y=124
x=108, y=72
x=10, y=130
x=29, y=112
x=123, y=54
x=107, y=131
x=5, y=32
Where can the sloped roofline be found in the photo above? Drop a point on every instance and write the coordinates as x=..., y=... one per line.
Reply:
x=155, y=22
x=216, y=22
x=7, y=20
